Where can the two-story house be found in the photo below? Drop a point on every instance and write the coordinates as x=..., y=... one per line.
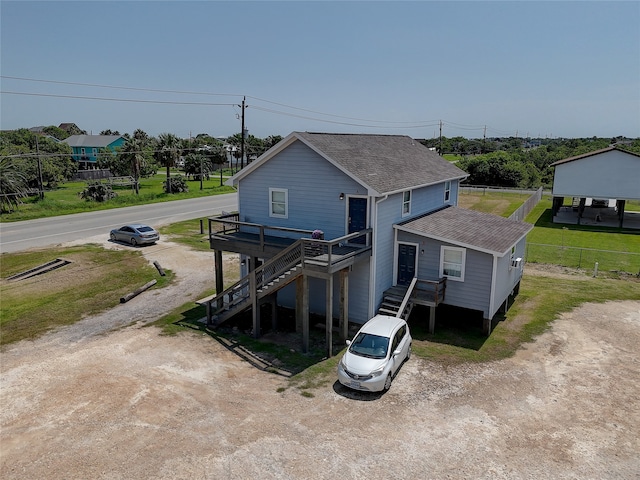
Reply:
x=85, y=148
x=358, y=224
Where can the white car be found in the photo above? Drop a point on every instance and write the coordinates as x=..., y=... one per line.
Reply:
x=375, y=354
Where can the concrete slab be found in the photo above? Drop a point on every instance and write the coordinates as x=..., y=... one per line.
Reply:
x=603, y=217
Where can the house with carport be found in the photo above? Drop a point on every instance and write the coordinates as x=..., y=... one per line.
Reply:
x=349, y=225
x=599, y=184
x=85, y=148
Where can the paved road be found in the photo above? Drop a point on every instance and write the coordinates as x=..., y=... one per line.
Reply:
x=17, y=236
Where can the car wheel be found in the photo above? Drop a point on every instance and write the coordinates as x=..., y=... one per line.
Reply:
x=113, y=237
x=387, y=383
x=133, y=242
x=409, y=353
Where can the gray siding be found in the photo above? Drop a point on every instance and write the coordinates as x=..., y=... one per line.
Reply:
x=507, y=277
x=314, y=187
x=612, y=174
x=474, y=292
x=358, y=294
x=423, y=200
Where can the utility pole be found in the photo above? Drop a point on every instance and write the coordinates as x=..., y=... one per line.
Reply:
x=484, y=139
x=242, y=143
x=40, y=186
x=440, y=147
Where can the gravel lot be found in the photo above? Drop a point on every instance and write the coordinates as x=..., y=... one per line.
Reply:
x=110, y=400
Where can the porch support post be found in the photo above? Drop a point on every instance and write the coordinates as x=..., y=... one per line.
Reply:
x=344, y=304
x=299, y=303
x=329, y=315
x=274, y=311
x=305, y=313
x=620, y=206
x=218, y=267
x=219, y=278
x=432, y=319
x=255, y=305
x=486, y=326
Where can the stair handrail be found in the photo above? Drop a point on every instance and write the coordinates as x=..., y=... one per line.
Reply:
x=244, y=283
x=406, y=298
x=281, y=263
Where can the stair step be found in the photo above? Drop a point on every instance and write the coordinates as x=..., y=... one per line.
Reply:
x=385, y=311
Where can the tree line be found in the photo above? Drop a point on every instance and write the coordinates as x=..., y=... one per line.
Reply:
x=519, y=162
x=31, y=163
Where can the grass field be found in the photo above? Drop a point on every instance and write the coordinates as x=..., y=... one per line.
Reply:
x=66, y=199
x=94, y=281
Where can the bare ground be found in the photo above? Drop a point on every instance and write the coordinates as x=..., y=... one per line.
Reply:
x=108, y=399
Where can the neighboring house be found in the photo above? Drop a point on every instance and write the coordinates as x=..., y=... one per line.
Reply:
x=367, y=223
x=607, y=174
x=86, y=147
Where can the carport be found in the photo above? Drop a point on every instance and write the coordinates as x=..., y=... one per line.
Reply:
x=611, y=175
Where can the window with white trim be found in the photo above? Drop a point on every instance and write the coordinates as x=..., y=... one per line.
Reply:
x=406, y=203
x=279, y=202
x=447, y=191
x=452, y=263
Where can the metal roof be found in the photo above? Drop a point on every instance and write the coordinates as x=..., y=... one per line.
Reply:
x=98, y=141
x=467, y=228
x=591, y=154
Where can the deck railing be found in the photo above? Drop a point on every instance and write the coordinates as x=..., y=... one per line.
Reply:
x=229, y=223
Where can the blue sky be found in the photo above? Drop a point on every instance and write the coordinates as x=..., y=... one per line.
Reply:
x=550, y=69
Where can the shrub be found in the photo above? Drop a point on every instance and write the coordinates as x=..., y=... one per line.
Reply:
x=178, y=185
x=97, y=192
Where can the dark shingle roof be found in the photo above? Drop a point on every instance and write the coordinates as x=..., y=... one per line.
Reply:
x=468, y=228
x=385, y=163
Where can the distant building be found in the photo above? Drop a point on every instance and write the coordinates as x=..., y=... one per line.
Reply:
x=85, y=148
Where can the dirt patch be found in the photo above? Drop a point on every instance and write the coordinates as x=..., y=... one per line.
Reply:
x=131, y=403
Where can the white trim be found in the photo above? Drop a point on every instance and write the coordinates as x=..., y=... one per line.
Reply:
x=286, y=202
x=447, y=192
x=492, y=294
x=346, y=213
x=462, y=265
x=408, y=212
x=396, y=257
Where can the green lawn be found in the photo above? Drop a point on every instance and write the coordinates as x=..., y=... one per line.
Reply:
x=94, y=281
x=65, y=199
x=581, y=246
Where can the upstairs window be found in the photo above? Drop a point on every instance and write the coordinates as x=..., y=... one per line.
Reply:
x=406, y=203
x=452, y=263
x=447, y=191
x=278, y=202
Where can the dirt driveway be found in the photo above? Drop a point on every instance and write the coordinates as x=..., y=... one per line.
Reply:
x=97, y=401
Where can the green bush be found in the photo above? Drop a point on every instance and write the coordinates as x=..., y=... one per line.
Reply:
x=178, y=185
x=98, y=193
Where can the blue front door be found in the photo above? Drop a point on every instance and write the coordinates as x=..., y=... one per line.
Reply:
x=406, y=263
x=357, y=217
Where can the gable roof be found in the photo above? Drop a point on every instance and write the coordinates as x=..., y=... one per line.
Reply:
x=591, y=154
x=383, y=163
x=98, y=141
x=467, y=228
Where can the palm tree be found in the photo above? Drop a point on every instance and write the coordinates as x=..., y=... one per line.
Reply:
x=13, y=183
x=133, y=150
x=168, y=153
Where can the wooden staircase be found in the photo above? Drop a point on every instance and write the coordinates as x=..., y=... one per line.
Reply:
x=396, y=301
x=265, y=280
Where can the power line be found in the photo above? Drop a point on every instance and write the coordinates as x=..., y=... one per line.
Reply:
x=79, y=97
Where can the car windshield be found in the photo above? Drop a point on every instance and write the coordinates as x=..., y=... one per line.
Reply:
x=370, y=346
x=145, y=229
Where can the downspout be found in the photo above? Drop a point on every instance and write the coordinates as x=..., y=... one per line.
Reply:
x=374, y=252
x=492, y=299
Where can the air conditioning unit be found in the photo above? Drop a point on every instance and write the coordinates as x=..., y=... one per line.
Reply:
x=516, y=262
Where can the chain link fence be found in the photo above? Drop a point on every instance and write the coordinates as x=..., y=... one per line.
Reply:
x=584, y=258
